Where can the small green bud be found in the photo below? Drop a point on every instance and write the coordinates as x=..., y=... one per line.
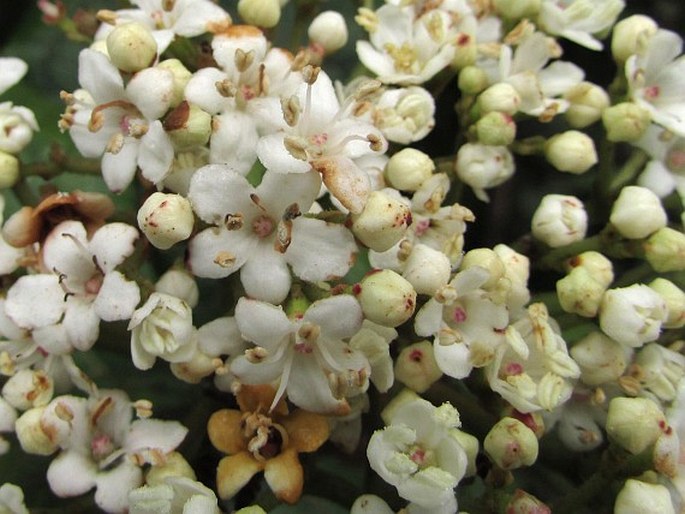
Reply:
x=510, y=444
x=496, y=128
x=472, y=80
x=625, y=122
x=634, y=423
x=131, y=47
x=408, y=169
x=665, y=250
x=571, y=152
x=9, y=170
x=386, y=298
x=262, y=13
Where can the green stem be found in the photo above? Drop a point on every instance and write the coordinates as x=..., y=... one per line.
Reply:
x=555, y=258
x=59, y=163
x=628, y=171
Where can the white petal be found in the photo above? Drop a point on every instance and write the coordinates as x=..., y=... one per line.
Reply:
x=99, y=77
x=278, y=191
x=217, y=190
x=265, y=276
x=338, y=316
x=214, y=245
x=201, y=90
x=221, y=337
x=81, y=323
x=117, y=298
x=452, y=359
x=71, y=474
x=30, y=291
x=263, y=324
x=156, y=153
x=113, y=486
x=234, y=141
x=119, y=169
x=309, y=389
x=65, y=252
x=196, y=18
x=151, y=90
x=12, y=70
x=112, y=243
x=148, y=434
x=274, y=156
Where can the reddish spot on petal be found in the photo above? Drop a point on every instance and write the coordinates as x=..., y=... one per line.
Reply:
x=463, y=39
x=652, y=92
x=416, y=355
x=459, y=315
x=513, y=368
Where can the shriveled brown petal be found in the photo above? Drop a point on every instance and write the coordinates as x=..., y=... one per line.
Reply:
x=306, y=431
x=258, y=398
x=21, y=228
x=225, y=432
x=345, y=181
x=234, y=472
x=285, y=476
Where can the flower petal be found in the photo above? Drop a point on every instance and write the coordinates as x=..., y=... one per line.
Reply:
x=99, y=76
x=113, y=486
x=285, y=476
x=111, y=244
x=309, y=389
x=225, y=431
x=118, y=169
x=217, y=190
x=265, y=276
x=71, y=474
x=234, y=472
x=306, y=431
x=29, y=291
x=262, y=323
x=117, y=298
x=13, y=70
x=156, y=153
x=217, y=252
x=338, y=316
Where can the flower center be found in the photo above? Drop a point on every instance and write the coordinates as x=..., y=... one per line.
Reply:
x=263, y=226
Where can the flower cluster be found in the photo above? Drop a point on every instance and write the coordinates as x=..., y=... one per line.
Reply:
x=335, y=267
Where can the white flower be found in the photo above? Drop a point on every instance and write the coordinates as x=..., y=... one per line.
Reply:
x=483, y=167
x=12, y=69
x=79, y=288
x=405, y=115
x=162, y=327
x=177, y=495
x=308, y=356
x=666, y=171
x=559, y=220
x=418, y=454
x=17, y=125
x=260, y=231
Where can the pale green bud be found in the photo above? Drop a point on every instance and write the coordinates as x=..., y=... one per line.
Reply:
x=472, y=80
x=634, y=423
x=571, y=152
x=501, y=97
x=9, y=170
x=263, y=13
x=638, y=497
x=181, y=284
x=166, y=219
x=408, y=169
x=427, y=269
x=625, y=122
x=488, y=259
x=675, y=302
x=559, y=220
x=496, y=128
x=470, y=445
x=383, y=221
x=404, y=397
x=329, y=30
x=386, y=298
x=252, y=509
x=181, y=76
x=637, y=213
x=517, y=9
x=416, y=366
x=627, y=34
x=131, y=47
x=188, y=126
x=466, y=54
x=600, y=358
x=174, y=465
x=510, y=444
x=579, y=293
x=587, y=102
x=665, y=250
x=31, y=436
x=599, y=267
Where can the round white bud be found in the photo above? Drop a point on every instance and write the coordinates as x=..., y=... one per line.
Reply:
x=166, y=219
x=579, y=293
x=496, y=128
x=501, y=97
x=427, y=269
x=408, y=169
x=510, y=444
x=598, y=267
x=571, y=152
x=386, y=298
x=383, y=221
x=637, y=213
x=626, y=122
x=587, y=102
x=262, y=13
x=181, y=76
x=9, y=170
x=600, y=358
x=472, y=80
x=628, y=33
x=634, y=423
x=665, y=250
x=488, y=259
x=131, y=47
x=181, y=284
x=405, y=115
x=559, y=220
x=482, y=166
x=638, y=497
x=329, y=30
x=416, y=366
x=31, y=436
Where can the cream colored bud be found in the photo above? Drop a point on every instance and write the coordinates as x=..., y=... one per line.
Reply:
x=472, y=80
x=625, y=122
x=517, y=9
x=638, y=497
x=501, y=97
x=383, y=221
x=587, y=102
x=467, y=52
x=31, y=436
x=675, y=301
x=174, y=465
x=165, y=219
x=181, y=76
x=488, y=259
x=470, y=445
x=263, y=13
x=329, y=30
x=510, y=444
x=404, y=397
x=386, y=298
x=188, y=126
x=9, y=170
x=195, y=369
x=559, y=220
x=665, y=250
x=181, y=284
x=627, y=34
x=131, y=47
x=496, y=128
x=634, y=423
x=408, y=169
x=427, y=269
x=599, y=267
x=579, y=293
x=28, y=388
x=571, y=152
x=600, y=358
x=416, y=367
x=632, y=315
x=637, y=213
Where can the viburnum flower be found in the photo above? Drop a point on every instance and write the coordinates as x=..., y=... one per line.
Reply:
x=666, y=171
x=405, y=115
x=121, y=121
x=323, y=135
x=176, y=495
x=103, y=447
x=418, y=454
x=264, y=436
x=12, y=70
x=261, y=231
x=79, y=286
x=17, y=125
x=307, y=357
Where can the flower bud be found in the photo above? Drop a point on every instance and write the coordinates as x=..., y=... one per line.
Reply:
x=131, y=47
x=675, y=302
x=598, y=267
x=181, y=76
x=262, y=13
x=501, y=97
x=579, y=293
x=587, y=102
x=625, y=122
x=632, y=315
x=470, y=445
x=382, y=222
x=466, y=54
x=524, y=503
x=634, y=423
x=28, y=388
x=517, y=9
x=181, y=284
x=174, y=466
x=638, y=497
x=408, y=169
x=665, y=250
x=416, y=367
x=427, y=269
x=559, y=220
x=637, y=213
x=386, y=298
x=31, y=436
x=166, y=219
x=404, y=397
x=627, y=34
x=192, y=371
x=370, y=504
x=405, y=115
x=571, y=152
x=17, y=125
x=483, y=166
x=329, y=30
x=9, y=170
x=472, y=80
x=600, y=358
x=510, y=444
x=188, y=126
x=488, y=259
x=496, y=128
x=660, y=371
